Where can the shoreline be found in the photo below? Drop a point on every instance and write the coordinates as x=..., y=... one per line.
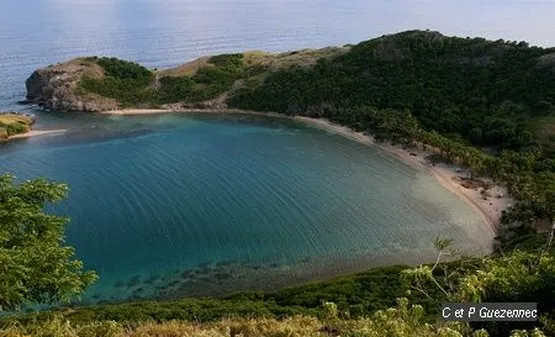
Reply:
x=138, y=112
x=131, y=112
x=37, y=133
x=448, y=175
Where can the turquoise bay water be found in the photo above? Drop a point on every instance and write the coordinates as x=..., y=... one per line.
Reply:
x=173, y=205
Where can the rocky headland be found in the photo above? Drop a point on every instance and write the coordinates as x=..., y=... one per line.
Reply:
x=92, y=84
x=56, y=87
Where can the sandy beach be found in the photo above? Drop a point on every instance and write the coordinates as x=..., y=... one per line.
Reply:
x=136, y=112
x=36, y=133
x=131, y=112
x=448, y=175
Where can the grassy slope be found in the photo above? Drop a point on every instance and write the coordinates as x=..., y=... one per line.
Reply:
x=11, y=124
x=201, y=80
x=401, y=321
x=257, y=58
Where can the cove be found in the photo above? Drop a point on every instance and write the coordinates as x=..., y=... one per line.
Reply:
x=179, y=205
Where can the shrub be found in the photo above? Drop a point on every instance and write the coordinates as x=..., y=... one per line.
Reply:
x=125, y=81
x=227, y=60
x=117, y=68
x=16, y=127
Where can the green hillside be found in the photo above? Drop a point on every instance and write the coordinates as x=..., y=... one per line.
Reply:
x=483, y=91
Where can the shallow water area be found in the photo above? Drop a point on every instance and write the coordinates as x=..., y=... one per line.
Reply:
x=173, y=205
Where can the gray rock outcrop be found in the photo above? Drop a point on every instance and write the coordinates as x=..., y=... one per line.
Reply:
x=56, y=87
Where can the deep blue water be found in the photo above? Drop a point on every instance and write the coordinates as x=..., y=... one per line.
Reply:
x=179, y=205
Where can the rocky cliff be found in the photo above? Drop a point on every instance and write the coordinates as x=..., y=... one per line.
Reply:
x=56, y=87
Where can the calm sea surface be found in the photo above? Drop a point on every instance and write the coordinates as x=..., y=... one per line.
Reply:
x=165, y=206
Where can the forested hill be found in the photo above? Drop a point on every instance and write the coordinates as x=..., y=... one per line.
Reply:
x=485, y=91
x=491, y=93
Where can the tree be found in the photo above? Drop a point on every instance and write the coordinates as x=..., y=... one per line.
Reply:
x=35, y=264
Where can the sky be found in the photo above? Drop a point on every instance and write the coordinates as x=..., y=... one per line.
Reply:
x=532, y=21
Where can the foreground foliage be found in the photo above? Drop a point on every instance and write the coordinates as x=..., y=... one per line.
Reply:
x=357, y=294
x=35, y=265
x=403, y=320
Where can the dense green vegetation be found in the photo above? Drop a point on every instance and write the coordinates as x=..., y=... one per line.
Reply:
x=481, y=90
x=123, y=80
x=35, y=265
x=134, y=85
x=403, y=320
